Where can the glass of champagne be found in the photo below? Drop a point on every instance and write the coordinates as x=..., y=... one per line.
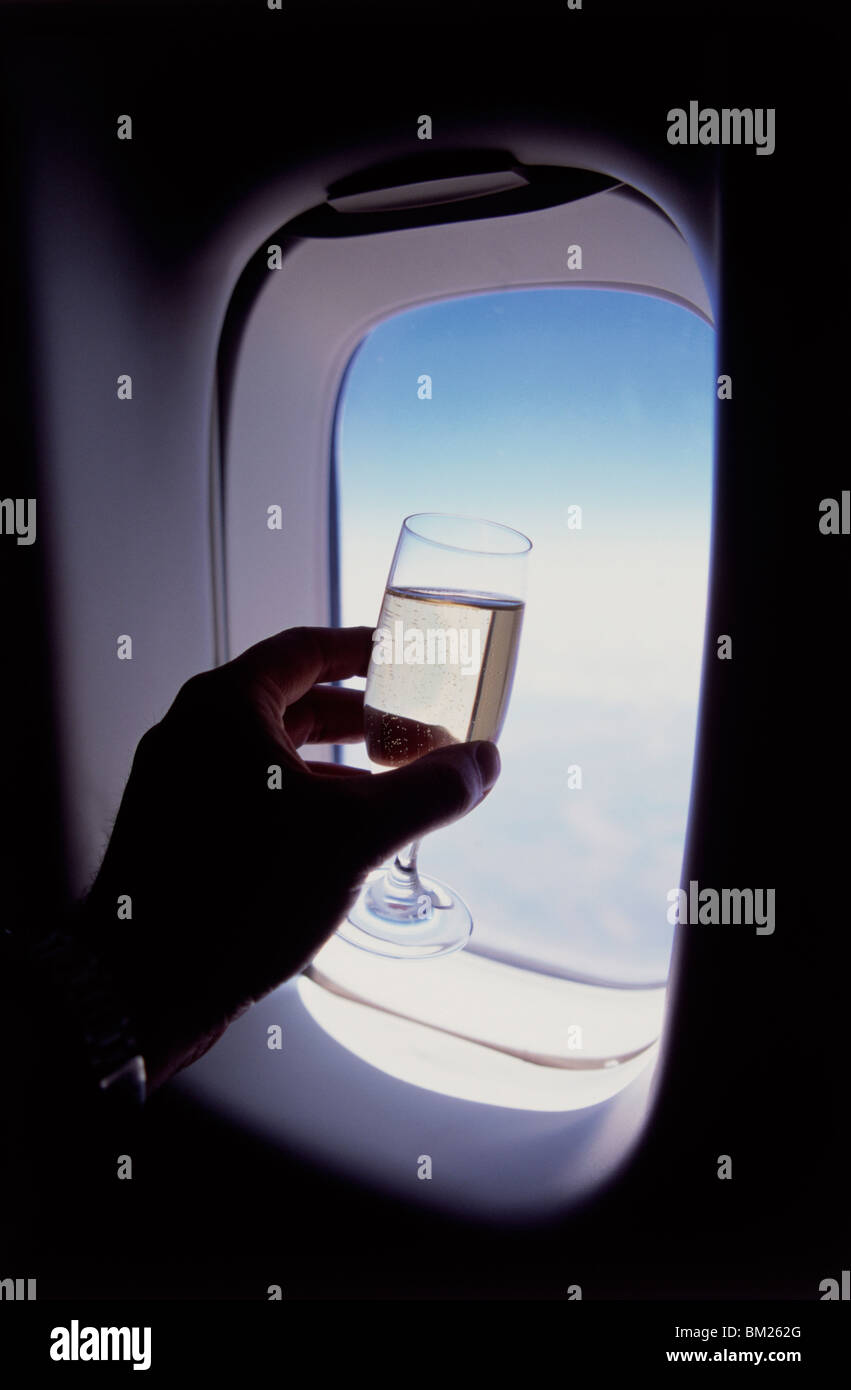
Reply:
x=441, y=672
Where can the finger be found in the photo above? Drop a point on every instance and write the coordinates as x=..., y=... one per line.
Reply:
x=389, y=809
x=337, y=770
x=326, y=714
x=287, y=665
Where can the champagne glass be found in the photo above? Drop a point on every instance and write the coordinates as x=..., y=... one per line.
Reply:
x=441, y=672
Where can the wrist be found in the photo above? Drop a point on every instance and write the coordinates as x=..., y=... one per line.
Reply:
x=170, y=1037
x=63, y=972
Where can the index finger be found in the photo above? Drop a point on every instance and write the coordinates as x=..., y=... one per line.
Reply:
x=295, y=660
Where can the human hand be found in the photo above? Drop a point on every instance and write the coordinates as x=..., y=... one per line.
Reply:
x=235, y=885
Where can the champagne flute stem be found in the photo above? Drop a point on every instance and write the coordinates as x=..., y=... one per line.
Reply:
x=398, y=894
x=406, y=860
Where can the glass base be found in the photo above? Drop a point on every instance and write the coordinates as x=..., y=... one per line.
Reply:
x=389, y=924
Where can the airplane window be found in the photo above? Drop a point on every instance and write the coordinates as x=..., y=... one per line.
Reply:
x=582, y=417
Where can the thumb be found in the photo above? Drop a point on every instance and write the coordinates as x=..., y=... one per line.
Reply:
x=400, y=806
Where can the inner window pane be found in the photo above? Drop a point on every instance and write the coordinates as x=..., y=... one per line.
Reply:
x=541, y=401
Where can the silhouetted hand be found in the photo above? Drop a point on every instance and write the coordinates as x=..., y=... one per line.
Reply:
x=235, y=885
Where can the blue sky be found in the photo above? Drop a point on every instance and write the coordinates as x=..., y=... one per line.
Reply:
x=543, y=399
x=601, y=392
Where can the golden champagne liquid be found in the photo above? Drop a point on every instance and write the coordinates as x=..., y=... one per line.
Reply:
x=459, y=690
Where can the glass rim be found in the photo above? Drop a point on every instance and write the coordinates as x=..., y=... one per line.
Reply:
x=468, y=550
